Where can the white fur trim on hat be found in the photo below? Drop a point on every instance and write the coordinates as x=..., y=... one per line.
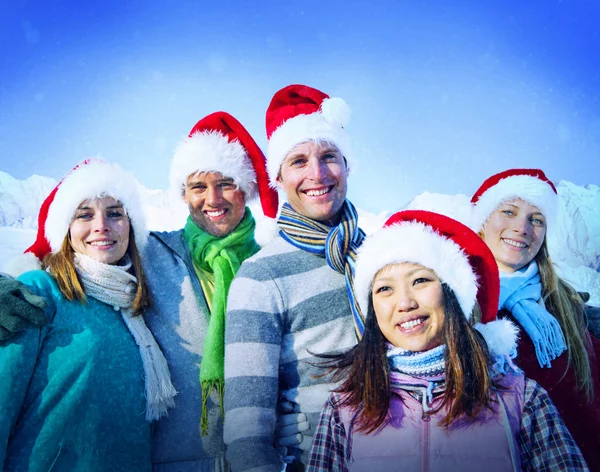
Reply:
x=500, y=336
x=97, y=179
x=417, y=243
x=531, y=189
x=211, y=151
x=326, y=125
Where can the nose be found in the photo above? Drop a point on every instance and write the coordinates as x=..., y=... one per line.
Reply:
x=405, y=300
x=316, y=168
x=214, y=195
x=522, y=225
x=101, y=224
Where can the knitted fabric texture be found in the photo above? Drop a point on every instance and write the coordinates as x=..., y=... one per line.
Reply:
x=427, y=370
x=519, y=294
x=115, y=286
x=338, y=245
x=222, y=257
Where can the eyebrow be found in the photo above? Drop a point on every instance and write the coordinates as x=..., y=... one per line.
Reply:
x=409, y=273
x=112, y=207
x=226, y=180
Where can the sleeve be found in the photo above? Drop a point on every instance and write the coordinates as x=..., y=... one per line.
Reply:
x=253, y=336
x=18, y=358
x=544, y=441
x=328, y=449
x=592, y=314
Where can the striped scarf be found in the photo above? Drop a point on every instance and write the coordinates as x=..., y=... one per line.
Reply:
x=338, y=245
x=426, y=371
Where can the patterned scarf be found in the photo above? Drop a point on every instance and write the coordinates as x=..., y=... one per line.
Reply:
x=425, y=369
x=519, y=294
x=115, y=286
x=338, y=245
x=222, y=257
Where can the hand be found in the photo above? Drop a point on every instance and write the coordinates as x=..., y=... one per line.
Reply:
x=20, y=309
x=290, y=425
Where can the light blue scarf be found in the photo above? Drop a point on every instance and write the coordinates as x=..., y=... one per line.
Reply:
x=427, y=370
x=519, y=294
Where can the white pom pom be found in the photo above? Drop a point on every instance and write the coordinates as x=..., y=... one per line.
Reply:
x=336, y=111
x=266, y=230
x=501, y=337
x=22, y=263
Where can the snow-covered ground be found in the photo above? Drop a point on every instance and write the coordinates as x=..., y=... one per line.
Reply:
x=574, y=243
x=14, y=241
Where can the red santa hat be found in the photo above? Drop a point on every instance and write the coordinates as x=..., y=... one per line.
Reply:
x=530, y=185
x=458, y=256
x=298, y=113
x=219, y=143
x=91, y=179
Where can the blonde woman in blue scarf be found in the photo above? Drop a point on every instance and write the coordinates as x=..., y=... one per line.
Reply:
x=514, y=213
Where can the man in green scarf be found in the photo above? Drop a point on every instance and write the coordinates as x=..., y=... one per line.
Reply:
x=216, y=171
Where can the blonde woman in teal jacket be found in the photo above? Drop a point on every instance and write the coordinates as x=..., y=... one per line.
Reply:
x=81, y=392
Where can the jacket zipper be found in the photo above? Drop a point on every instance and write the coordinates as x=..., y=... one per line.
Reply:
x=425, y=459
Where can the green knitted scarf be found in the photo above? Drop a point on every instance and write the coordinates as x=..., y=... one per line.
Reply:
x=222, y=257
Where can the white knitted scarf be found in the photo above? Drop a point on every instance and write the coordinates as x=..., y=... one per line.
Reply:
x=115, y=286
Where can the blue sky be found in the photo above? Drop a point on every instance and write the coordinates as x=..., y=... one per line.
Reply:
x=443, y=93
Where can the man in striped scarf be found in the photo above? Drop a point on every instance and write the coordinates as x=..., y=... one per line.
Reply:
x=294, y=299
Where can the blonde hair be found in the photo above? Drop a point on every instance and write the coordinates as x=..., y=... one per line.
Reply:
x=60, y=265
x=565, y=304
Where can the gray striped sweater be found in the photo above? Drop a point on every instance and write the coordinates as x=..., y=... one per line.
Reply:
x=283, y=305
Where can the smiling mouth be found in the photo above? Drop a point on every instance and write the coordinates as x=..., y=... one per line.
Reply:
x=318, y=192
x=215, y=213
x=412, y=323
x=514, y=243
x=101, y=243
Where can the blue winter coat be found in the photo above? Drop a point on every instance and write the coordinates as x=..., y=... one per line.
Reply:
x=72, y=395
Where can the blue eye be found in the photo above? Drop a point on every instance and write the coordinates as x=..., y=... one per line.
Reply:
x=508, y=212
x=84, y=216
x=537, y=221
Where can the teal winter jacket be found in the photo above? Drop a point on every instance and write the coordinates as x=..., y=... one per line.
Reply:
x=72, y=395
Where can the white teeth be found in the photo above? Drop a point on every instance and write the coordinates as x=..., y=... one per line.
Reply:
x=101, y=243
x=412, y=324
x=317, y=193
x=214, y=214
x=515, y=243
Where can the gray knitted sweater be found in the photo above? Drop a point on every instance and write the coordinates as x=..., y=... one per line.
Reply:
x=178, y=319
x=283, y=305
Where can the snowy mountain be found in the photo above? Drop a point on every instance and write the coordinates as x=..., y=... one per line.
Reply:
x=574, y=244
x=20, y=200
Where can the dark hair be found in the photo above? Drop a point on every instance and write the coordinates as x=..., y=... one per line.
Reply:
x=365, y=379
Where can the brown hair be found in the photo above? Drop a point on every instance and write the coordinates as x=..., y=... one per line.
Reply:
x=565, y=304
x=60, y=265
x=365, y=377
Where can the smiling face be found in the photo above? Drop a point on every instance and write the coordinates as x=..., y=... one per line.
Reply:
x=215, y=203
x=314, y=179
x=409, y=305
x=514, y=233
x=100, y=230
